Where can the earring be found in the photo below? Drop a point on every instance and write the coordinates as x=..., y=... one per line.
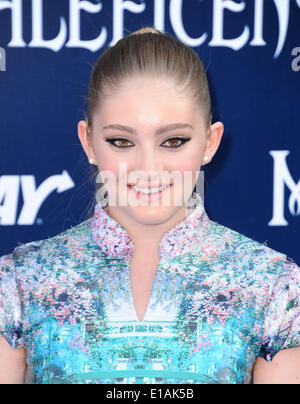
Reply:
x=102, y=193
x=91, y=160
x=192, y=202
x=206, y=159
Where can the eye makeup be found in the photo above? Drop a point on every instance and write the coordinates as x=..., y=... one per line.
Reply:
x=112, y=141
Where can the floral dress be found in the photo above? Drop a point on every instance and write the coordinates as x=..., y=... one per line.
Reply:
x=219, y=300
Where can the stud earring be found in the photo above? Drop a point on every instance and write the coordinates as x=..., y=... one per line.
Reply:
x=206, y=159
x=91, y=160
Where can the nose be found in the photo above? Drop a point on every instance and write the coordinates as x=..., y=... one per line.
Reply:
x=150, y=165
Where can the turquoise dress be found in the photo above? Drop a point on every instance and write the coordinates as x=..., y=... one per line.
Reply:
x=219, y=300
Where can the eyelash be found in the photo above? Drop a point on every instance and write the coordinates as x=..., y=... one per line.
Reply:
x=112, y=140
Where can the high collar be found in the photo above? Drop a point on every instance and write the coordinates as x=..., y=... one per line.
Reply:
x=114, y=240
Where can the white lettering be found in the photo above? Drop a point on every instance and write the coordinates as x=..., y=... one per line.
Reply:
x=118, y=21
x=9, y=195
x=177, y=25
x=283, y=11
x=283, y=177
x=220, y=8
x=75, y=42
x=37, y=30
x=258, y=24
x=159, y=14
x=218, y=25
x=16, y=22
x=34, y=197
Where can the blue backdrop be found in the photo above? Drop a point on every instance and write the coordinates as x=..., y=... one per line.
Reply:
x=252, y=53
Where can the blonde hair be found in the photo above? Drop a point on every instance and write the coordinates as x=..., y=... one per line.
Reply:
x=146, y=30
x=144, y=51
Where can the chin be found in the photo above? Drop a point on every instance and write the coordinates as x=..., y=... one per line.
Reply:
x=152, y=214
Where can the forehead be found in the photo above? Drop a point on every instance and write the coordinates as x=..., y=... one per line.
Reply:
x=150, y=83
x=147, y=101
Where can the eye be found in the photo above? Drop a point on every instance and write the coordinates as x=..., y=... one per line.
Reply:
x=123, y=142
x=174, y=142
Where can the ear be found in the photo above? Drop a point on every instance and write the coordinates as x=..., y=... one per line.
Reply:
x=213, y=140
x=85, y=139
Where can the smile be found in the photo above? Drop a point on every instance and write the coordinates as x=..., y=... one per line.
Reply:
x=149, y=194
x=152, y=190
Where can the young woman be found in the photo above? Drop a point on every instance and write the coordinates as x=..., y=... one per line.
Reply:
x=149, y=289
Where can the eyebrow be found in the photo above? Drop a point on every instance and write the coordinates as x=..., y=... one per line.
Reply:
x=161, y=130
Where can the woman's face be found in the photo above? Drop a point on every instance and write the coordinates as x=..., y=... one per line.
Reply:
x=149, y=127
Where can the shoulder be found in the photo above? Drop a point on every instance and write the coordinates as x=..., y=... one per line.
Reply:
x=50, y=252
x=247, y=253
x=34, y=272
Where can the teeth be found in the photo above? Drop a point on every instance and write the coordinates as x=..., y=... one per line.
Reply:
x=149, y=191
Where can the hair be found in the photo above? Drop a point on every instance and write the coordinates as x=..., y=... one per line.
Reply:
x=148, y=51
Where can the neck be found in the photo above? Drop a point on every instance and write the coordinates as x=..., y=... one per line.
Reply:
x=146, y=234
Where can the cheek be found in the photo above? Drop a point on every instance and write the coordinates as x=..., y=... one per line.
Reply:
x=116, y=165
x=189, y=161
x=109, y=165
x=187, y=166
x=107, y=161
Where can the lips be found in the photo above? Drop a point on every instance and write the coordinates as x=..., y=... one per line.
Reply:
x=149, y=195
x=150, y=190
x=149, y=186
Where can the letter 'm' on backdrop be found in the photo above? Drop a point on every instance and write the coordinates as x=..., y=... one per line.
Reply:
x=251, y=50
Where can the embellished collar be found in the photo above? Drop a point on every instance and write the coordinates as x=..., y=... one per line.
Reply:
x=114, y=240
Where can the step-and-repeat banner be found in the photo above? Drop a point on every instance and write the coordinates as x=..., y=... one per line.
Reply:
x=251, y=50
